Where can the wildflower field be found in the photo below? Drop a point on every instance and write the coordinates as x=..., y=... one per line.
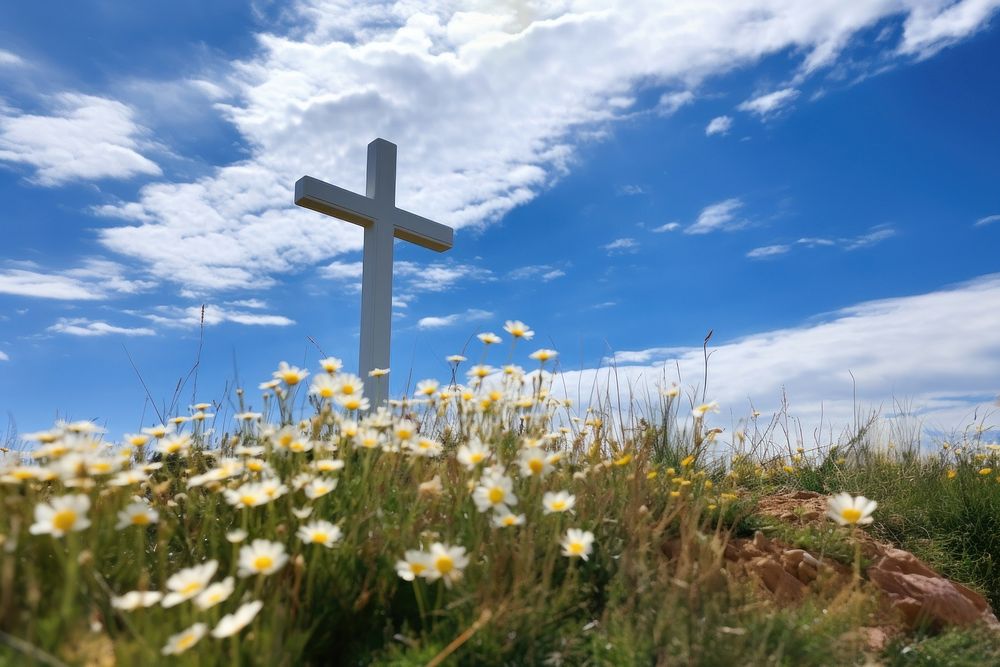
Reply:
x=487, y=523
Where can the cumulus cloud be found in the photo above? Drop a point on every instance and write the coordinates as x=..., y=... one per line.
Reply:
x=439, y=322
x=719, y=125
x=765, y=105
x=83, y=138
x=79, y=326
x=936, y=351
x=94, y=280
x=721, y=216
x=4, y=357
x=308, y=102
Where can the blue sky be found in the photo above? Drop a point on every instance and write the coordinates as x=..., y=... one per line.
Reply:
x=815, y=182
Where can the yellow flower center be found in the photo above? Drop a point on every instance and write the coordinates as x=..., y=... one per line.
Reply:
x=496, y=495
x=476, y=457
x=320, y=537
x=347, y=389
x=290, y=378
x=576, y=548
x=191, y=588
x=64, y=520
x=536, y=466
x=444, y=564
x=850, y=514
x=417, y=568
x=558, y=505
x=285, y=439
x=352, y=404
x=141, y=519
x=186, y=642
x=404, y=434
x=495, y=395
x=509, y=520
x=248, y=500
x=261, y=563
x=326, y=392
x=22, y=475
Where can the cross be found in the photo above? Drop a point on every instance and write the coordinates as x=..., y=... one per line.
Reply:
x=375, y=211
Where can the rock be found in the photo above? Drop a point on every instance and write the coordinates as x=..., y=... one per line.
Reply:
x=924, y=597
x=775, y=579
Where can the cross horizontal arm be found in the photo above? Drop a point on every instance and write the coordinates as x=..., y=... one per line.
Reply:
x=338, y=202
x=421, y=231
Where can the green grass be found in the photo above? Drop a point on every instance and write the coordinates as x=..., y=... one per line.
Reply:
x=520, y=600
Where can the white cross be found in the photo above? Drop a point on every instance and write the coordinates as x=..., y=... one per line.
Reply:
x=377, y=213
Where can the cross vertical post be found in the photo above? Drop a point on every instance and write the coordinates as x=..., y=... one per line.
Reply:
x=382, y=222
x=376, y=272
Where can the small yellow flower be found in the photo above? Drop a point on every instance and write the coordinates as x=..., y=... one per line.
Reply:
x=986, y=471
x=952, y=473
x=688, y=460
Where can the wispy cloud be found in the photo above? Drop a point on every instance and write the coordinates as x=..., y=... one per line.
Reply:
x=766, y=105
x=543, y=272
x=8, y=59
x=193, y=316
x=4, y=357
x=84, y=138
x=937, y=351
x=622, y=246
x=349, y=72
x=669, y=227
x=670, y=102
x=95, y=280
x=875, y=236
x=631, y=190
x=872, y=237
x=764, y=252
x=80, y=326
x=720, y=216
x=929, y=29
x=438, y=276
x=442, y=321
x=988, y=220
x=719, y=125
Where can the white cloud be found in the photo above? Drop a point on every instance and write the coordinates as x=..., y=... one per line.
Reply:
x=543, y=272
x=342, y=271
x=937, y=351
x=720, y=216
x=256, y=304
x=84, y=138
x=439, y=322
x=8, y=59
x=80, y=326
x=438, y=276
x=308, y=102
x=671, y=102
x=4, y=357
x=95, y=280
x=933, y=26
x=876, y=235
x=669, y=227
x=719, y=125
x=631, y=190
x=211, y=315
x=988, y=220
x=765, y=105
x=620, y=246
x=768, y=251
